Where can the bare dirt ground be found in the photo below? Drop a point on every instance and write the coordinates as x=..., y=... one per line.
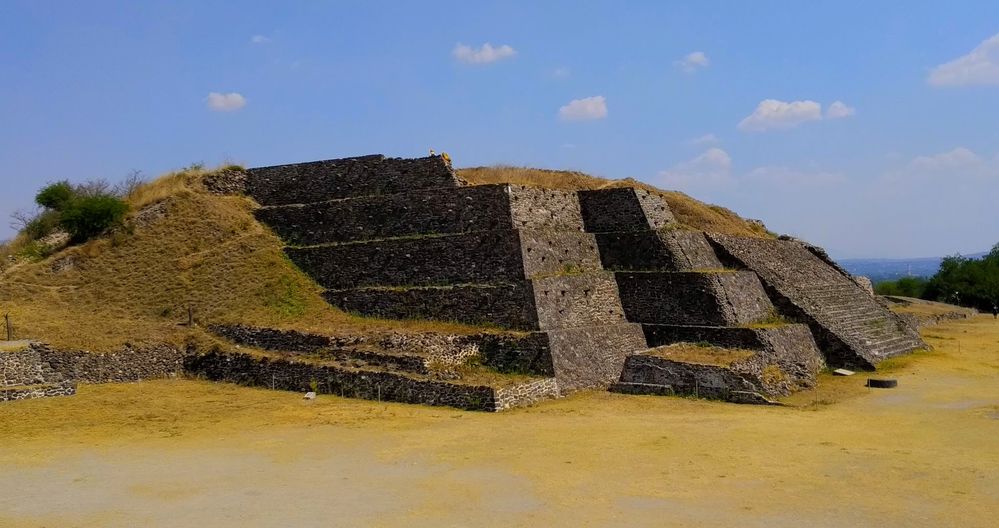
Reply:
x=188, y=453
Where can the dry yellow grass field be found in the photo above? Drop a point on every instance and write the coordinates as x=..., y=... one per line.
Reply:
x=183, y=453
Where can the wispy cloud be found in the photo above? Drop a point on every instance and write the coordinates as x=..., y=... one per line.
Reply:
x=586, y=109
x=260, y=39
x=483, y=55
x=839, y=110
x=225, y=102
x=774, y=114
x=706, y=139
x=711, y=169
x=979, y=67
x=957, y=158
x=771, y=113
x=693, y=61
x=957, y=166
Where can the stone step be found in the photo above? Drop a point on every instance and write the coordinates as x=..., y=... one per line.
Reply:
x=424, y=212
x=623, y=209
x=373, y=175
x=478, y=257
x=659, y=250
x=561, y=301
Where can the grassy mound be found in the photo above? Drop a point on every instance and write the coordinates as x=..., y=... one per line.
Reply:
x=185, y=247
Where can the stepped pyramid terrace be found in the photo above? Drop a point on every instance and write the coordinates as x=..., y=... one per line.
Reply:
x=587, y=289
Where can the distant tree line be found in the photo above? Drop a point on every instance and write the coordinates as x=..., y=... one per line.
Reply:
x=965, y=281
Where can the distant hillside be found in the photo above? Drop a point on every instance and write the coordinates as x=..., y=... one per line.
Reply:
x=879, y=270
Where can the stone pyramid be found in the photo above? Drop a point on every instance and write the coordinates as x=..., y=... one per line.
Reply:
x=593, y=279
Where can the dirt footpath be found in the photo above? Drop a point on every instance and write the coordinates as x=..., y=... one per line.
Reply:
x=187, y=453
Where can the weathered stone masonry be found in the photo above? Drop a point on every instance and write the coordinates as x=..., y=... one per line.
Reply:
x=405, y=239
x=24, y=375
x=499, y=254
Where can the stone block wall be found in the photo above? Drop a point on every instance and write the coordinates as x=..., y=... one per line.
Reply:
x=569, y=301
x=506, y=305
x=424, y=212
x=46, y=390
x=468, y=258
x=623, y=209
x=346, y=178
x=25, y=375
x=21, y=367
x=660, y=250
x=693, y=298
x=479, y=257
x=592, y=356
x=126, y=365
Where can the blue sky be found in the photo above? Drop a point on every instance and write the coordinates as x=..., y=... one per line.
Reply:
x=868, y=129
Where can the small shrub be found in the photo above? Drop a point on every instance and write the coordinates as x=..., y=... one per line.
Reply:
x=42, y=225
x=86, y=217
x=56, y=196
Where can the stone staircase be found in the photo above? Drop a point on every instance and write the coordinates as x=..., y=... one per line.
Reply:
x=853, y=328
x=422, y=246
x=671, y=281
x=24, y=375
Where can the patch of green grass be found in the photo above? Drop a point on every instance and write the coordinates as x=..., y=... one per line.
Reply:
x=285, y=297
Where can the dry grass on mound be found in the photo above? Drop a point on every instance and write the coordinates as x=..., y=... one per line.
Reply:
x=690, y=212
x=203, y=251
x=701, y=353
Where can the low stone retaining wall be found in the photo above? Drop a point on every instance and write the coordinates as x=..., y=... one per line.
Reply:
x=283, y=374
x=128, y=364
x=45, y=390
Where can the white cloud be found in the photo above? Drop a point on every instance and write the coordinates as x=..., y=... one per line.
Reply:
x=772, y=113
x=693, y=61
x=259, y=39
x=706, y=139
x=839, y=110
x=562, y=72
x=584, y=109
x=956, y=159
x=713, y=168
x=484, y=55
x=229, y=102
x=981, y=66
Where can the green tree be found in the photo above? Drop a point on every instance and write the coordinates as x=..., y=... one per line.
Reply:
x=90, y=216
x=56, y=196
x=968, y=282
